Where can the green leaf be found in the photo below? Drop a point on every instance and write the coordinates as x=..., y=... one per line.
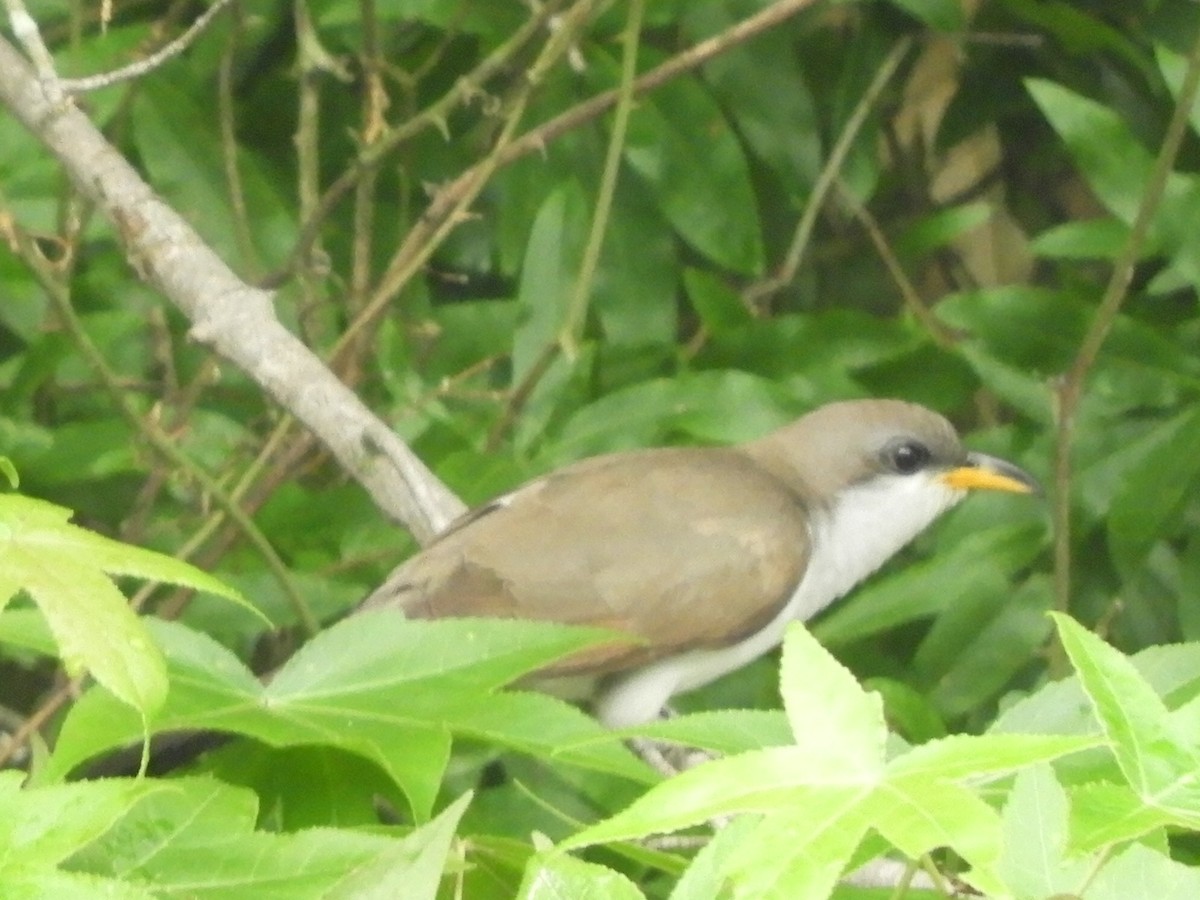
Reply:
x=1169, y=479
x=1089, y=239
x=1104, y=814
x=556, y=876
x=41, y=827
x=724, y=731
x=982, y=758
x=552, y=259
x=713, y=406
x=178, y=141
x=413, y=867
x=799, y=852
x=682, y=146
x=1034, y=860
x=907, y=710
x=715, y=301
x=838, y=727
x=1174, y=67
x=939, y=228
x=66, y=570
x=1157, y=761
x=1114, y=163
x=634, y=293
x=941, y=15
x=1139, y=873
x=705, y=878
x=378, y=685
x=758, y=781
x=766, y=95
x=978, y=644
x=197, y=837
x=918, y=815
x=1061, y=707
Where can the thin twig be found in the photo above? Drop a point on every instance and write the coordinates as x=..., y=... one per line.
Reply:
x=226, y=119
x=938, y=331
x=535, y=140
x=433, y=116
x=754, y=295
x=453, y=200
x=576, y=313
x=309, y=66
x=39, y=717
x=50, y=280
x=151, y=62
x=1070, y=389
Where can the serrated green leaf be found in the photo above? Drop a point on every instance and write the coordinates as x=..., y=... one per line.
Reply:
x=799, y=852
x=1061, y=707
x=66, y=570
x=705, y=877
x=725, y=731
x=556, y=876
x=838, y=727
x=42, y=827
x=1140, y=873
x=1103, y=814
x=982, y=758
x=1160, y=766
x=1034, y=860
x=759, y=781
x=412, y=868
x=918, y=814
x=197, y=837
x=392, y=690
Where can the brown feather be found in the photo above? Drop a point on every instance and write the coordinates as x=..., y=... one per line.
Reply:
x=716, y=550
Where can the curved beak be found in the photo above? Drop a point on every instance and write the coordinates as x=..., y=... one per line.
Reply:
x=988, y=473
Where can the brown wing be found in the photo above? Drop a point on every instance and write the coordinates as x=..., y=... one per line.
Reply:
x=715, y=548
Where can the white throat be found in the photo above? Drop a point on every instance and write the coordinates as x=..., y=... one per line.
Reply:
x=864, y=527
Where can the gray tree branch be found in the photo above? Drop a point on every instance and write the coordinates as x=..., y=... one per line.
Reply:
x=236, y=320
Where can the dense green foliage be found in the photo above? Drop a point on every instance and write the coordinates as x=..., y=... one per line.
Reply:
x=982, y=207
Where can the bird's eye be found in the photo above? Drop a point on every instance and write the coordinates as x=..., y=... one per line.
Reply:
x=906, y=457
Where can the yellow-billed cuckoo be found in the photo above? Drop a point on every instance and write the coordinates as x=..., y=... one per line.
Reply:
x=703, y=554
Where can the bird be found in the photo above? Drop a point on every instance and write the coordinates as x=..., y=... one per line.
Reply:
x=702, y=556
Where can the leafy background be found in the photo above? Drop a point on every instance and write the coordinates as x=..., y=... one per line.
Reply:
x=983, y=207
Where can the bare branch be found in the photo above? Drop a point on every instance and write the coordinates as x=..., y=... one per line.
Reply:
x=151, y=62
x=236, y=320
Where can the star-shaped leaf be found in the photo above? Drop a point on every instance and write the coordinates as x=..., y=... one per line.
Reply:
x=820, y=797
x=67, y=571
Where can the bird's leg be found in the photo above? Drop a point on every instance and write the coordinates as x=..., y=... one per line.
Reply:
x=665, y=757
